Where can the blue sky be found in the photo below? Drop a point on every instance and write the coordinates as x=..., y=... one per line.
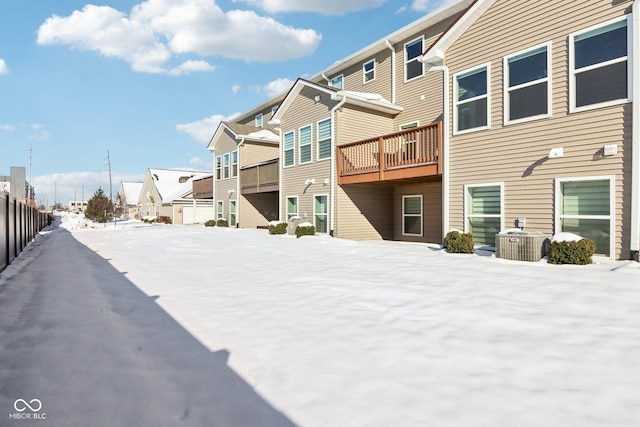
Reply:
x=148, y=81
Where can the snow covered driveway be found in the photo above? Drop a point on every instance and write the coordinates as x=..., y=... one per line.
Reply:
x=339, y=333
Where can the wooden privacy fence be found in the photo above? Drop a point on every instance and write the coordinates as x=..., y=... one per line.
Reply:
x=19, y=224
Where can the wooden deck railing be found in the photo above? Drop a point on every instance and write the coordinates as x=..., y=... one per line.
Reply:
x=259, y=178
x=412, y=148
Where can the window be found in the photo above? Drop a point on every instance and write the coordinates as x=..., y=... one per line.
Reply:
x=292, y=207
x=320, y=213
x=483, y=212
x=599, y=68
x=225, y=166
x=585, y=207
x=232, y=213
x=289, y=149
x=324, y=139
x=304, y=140
x=219, y=167
x=413, y=68
x=527, y=86
x=471, y=99
x=369, y=71
x=412, y=215
x=259, y=121
x=337, y=82
x=234, y=164
x=274, y=109
x=220, y=209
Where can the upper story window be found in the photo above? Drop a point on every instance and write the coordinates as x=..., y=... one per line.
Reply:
x=304, y=140
x=527, y=85
x=219, y=167
x=259, y=121
x=225, y=166
x=337, y=82
x=369, y=71
x=324, y=139
x=289, y=149
x=471, y=99
x=599, y=66
x=234, y=164
x=274, y=109
x=413, y=68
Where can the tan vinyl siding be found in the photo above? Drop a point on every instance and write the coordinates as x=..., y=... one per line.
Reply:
x=431, y=212
x=266, y=116
x=256, y=210
x=255, y=152
x=365, y=212
x=226, y=144
x=354, y=76
x=516, y=154
x=356, y=124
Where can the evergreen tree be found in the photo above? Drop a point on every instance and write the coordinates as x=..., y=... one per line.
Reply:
x=99, y=208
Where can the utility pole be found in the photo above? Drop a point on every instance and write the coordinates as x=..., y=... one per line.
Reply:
x=29, y=185
x=110, y=185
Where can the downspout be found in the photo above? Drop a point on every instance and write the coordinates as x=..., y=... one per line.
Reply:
x=324, y=76
x=393, y=71
x=280, y=164
x=445, y=140
x=241, y=144
x=333, y=165
x=635, y=133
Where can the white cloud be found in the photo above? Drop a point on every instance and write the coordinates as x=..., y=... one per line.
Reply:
x=235, y=89
x=401, y=9
x=202, y=130
x=40, y=136
x=428, y=5
x=156, y=32
x=8, y=128
x=325, y=7
x=3, y=67
x=275, y=87
x=197, y=161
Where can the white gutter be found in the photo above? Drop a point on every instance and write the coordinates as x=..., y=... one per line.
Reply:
x=333, y=164
x=444, y=152
x=324, y=76
x=393, y=71
x=635, y=132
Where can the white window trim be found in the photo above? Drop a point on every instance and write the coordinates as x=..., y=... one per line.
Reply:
x=421, y=215
x=572, y=71
x=417, y=58
x=310, y=144
x=507, y=89
x=467, y=199
x=226, y=163
x=286, y=206
x=233, y=202
x=364, y=71
x=612, y=207
x=219, y=215
x=341, y=77
x=259, y=119
x=220, y=167
x=325, y=214
x=231, y=163
x=456, y=103
x=284, y=150
x=318, y=141
x=409, y=125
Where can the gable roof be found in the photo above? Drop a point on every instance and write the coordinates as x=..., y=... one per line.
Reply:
x=435, y=53
x=243, y=132
x=131, y=192
x=372, y=101
x=173, y=183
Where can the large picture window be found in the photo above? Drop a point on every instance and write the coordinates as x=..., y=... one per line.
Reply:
x=324, y=139
x=413, y=68
x=292, y=207
x=320, y=213
x=289, y=149
x=471, y=100
x=304, y=138
x=586, y=209
x=412, y=215
x=599, y=65
x=527, y=85
x=483, y=212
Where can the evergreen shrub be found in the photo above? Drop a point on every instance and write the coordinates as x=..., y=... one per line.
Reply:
x=458, y=243
x=577, y=252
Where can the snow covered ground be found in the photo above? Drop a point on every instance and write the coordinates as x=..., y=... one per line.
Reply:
x=334, y=332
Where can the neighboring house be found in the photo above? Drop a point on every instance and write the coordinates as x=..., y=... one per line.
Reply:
x=78, y=205
x=246, y=169
x=161, y=187
x=541, y=124
x=127, y=200
x=360, y=142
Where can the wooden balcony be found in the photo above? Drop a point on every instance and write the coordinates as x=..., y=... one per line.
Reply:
x=260, y=178
x=408, y=154
x=203, y=188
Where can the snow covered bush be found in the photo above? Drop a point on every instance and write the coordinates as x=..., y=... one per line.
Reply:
x=222, y=222
x=163, y=220
x=210, y=223
x=305, y=229
x=277, y=227
x=456, y=242
x=577, y=250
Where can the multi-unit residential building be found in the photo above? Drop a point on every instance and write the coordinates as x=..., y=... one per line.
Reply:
x=482, y=116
